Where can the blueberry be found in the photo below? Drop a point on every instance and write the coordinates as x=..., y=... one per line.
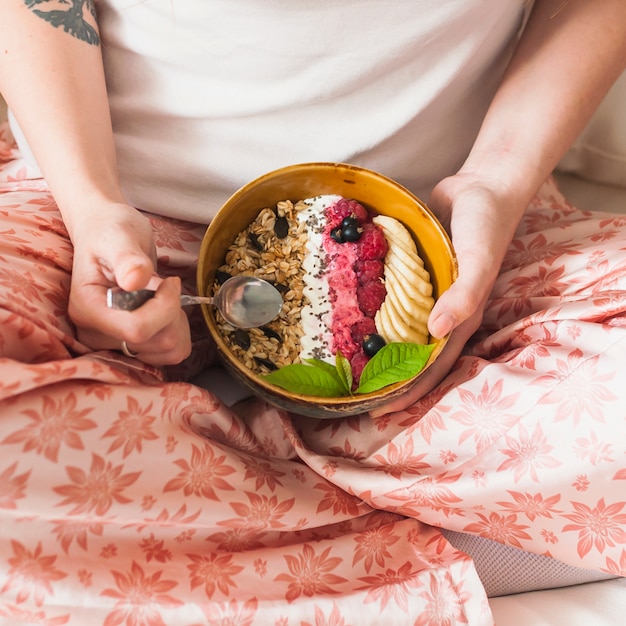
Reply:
x=372, y=343
x=350, y=220
x=337, y=235
x=352, y=232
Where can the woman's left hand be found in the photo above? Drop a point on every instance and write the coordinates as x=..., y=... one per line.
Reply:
x=482, y=216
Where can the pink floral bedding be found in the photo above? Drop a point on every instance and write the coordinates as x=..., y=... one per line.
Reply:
x=129, y=500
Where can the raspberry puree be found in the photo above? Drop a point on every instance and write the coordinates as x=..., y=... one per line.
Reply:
x=343, y=281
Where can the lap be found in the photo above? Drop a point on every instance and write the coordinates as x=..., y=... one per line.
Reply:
x=524, y=441
x=118, y=482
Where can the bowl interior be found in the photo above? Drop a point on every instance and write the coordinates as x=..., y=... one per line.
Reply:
x=298, y=182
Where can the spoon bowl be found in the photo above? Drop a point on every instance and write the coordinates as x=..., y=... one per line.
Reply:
x=248, y=302
x=243, y=301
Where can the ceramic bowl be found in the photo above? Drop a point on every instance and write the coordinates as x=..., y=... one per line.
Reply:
x=306, y=180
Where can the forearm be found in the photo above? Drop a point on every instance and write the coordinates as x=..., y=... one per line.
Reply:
x=569, y=55
x=53, y=82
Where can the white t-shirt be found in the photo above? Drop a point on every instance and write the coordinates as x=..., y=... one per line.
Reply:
x=207, y=94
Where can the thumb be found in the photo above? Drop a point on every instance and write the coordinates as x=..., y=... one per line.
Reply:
x=133, y=270
x=464, y=300
x=127, y=264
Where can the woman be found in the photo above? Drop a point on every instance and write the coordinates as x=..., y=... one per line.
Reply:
x=143, y=136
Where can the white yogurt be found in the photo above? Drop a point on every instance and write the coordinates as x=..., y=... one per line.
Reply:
x=315, y=317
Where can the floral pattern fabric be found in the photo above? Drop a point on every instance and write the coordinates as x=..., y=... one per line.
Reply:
x=131, y=497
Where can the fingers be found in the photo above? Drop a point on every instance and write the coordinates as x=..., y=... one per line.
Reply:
x=126, y=259
x=144, y=324
x=429, y=379
x=482, y=225
x=464, y=300
x=169, y=346
x=436, y=372
x=156, y=333
x=159, y=330
x=115, y=247
x=132, y=271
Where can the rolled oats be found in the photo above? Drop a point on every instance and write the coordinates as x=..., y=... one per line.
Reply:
x=258, y=251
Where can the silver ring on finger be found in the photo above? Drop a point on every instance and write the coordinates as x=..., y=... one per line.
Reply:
x=127, y=351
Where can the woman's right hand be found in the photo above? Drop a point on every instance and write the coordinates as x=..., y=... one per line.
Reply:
x=114, y=247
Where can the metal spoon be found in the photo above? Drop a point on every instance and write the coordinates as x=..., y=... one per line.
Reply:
x=243, y=301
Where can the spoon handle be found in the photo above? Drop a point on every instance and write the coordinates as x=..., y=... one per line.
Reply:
x=130, y=300
x=185, y=300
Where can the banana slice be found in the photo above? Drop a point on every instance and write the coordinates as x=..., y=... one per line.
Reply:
x=385, y=327
x=413, y=300
x=411, y=269
x=403, y=315
x=403, y=251
x=405, y=322
x=411, y=325
x=396, y=232
x=416, y=313
x=403, y=325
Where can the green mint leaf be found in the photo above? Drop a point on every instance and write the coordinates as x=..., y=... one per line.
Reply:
x=393, y=363
x=323, y=365
x=344, y=369
x=313, y=379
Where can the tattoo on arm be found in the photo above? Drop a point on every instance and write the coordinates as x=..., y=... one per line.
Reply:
x=70, y=15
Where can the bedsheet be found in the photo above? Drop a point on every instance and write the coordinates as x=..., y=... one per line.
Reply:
x=592, y=604
x=128, y=497
x=599, y=603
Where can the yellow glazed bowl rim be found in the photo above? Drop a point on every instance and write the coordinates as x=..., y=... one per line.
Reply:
x=305, y=180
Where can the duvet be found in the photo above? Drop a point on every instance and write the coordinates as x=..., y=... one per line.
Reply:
x=129, y=496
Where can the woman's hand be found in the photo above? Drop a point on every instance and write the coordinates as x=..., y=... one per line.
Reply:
x=74, y=148
x=481, y=215
x=537, y=112
x=115, y=247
